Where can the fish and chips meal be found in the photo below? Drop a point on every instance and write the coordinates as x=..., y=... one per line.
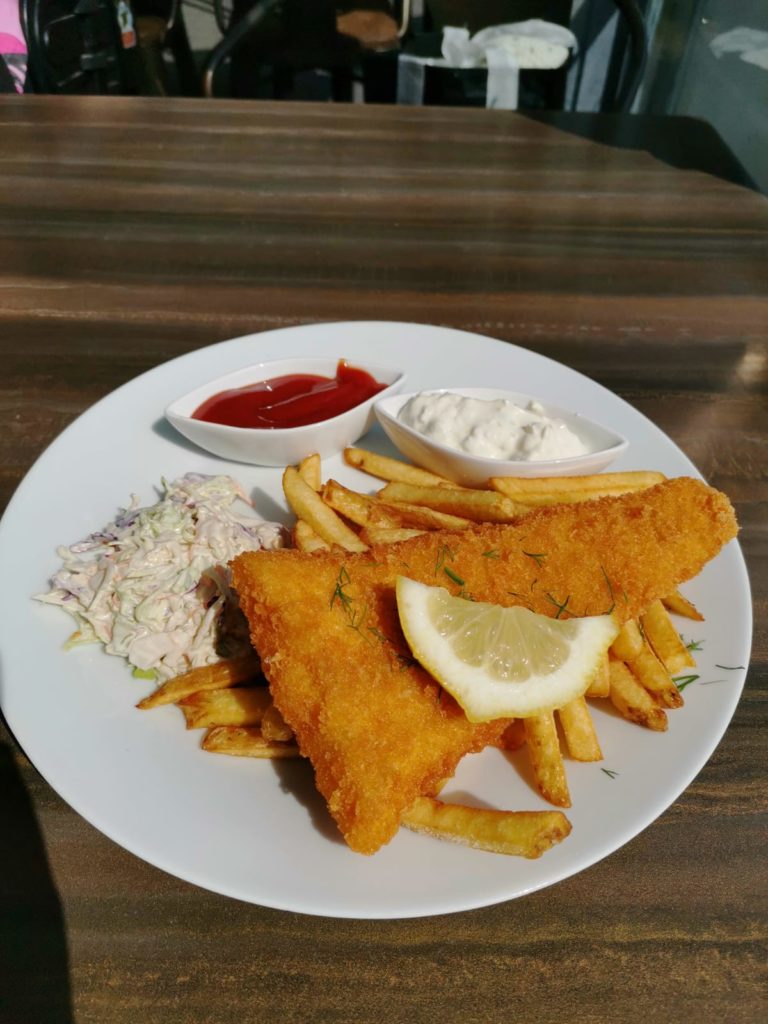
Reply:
x=405, y=627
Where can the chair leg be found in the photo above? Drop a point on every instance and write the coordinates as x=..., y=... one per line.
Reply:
x=187, y=71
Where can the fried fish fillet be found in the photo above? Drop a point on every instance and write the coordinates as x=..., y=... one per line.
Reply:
x=377, y=728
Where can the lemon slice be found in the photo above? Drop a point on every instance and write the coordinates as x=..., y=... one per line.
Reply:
x=501, y=662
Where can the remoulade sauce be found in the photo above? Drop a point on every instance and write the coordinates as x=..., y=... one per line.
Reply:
x=293, y=400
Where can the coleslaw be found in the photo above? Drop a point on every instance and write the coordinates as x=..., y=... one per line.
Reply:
x=153, y=585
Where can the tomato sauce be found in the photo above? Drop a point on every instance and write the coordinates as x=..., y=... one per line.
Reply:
x=294, y=400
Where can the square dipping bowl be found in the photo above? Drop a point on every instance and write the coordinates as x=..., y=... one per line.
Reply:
x=475, y=470
x=280, y=446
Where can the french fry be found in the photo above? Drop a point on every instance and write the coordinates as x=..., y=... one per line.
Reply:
x=387, y=534
x=601, y=683
x=546, y=759
x=384, y=468
x=516, y=833
x=245, y=741
x=243, y=705
x=308, y=505
x=629, y=643
x=632, y=700
x=682, y=606
x=228, y=672
x=650, y=672
x=421, y=516
x=305, y=538
x=309, y=470
x=479, y=506
x=661, y=634
x=274, y=728
x=358, y=508
x=579, y=731
x=565, y=490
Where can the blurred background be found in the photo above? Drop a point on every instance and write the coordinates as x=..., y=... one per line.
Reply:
x=706, y=59
x=688, y=71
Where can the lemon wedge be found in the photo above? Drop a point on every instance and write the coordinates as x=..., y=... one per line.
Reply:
x=501, y=662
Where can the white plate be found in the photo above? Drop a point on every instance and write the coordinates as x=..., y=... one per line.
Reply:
x=256, y=830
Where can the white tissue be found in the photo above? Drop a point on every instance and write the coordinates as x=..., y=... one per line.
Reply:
x=504, y=50
x=751, y=44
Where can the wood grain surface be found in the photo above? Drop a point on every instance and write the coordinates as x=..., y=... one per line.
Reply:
x=133, y=231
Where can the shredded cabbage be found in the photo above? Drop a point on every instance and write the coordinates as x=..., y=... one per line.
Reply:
x=153, y=586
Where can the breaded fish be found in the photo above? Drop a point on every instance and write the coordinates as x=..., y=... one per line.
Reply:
x=377, y=728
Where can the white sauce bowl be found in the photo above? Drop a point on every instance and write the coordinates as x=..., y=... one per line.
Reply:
x=287, y=445
x=474, y=470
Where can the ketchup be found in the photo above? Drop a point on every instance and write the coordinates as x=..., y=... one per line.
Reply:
x=293, y=400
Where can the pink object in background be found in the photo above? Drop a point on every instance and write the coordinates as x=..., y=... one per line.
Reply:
x=13, y=46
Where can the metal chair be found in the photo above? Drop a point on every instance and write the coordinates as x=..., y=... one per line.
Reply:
x=280, y=39
x=623, y=75
x=76, y=47
x=107, y=47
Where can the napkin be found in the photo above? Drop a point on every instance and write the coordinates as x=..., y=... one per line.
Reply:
x=504, y=50
x=750, y=44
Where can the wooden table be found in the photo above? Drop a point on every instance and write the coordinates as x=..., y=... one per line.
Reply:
x=133, y=231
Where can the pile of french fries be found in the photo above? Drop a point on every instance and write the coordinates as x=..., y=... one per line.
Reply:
x=231, y=701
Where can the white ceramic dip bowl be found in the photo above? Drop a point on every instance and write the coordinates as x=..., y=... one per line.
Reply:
x=285, y=445
x=473, y=470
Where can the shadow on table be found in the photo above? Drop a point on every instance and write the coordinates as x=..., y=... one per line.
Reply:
x=685, y=142
x=34, y=965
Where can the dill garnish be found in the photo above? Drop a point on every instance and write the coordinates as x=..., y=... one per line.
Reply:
x=342, y=580
x=560, y=607
x=610, y=591
x=609, y=772
x=693, y=645
x=443, y=552
x=730, y=668
x=490, y=554
x=453, y=576
x=355, y=616
x=404, y=660
x=682, y=681
x=538, y=557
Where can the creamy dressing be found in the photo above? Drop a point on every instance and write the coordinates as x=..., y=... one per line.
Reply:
x=153, y=586
x=491, y=428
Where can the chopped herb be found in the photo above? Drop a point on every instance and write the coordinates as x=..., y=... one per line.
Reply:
x=560, y=607
x=443, y=552
x=404, y=660
x=609, y=772
x=537, y=557
x=693, y=645
x=491, y=554
x=453, y=576
x=730, y=668
x=355, y=616
x=342, y=580
x=682, y=681
x=610, y=591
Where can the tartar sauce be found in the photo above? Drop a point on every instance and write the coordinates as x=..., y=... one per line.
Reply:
x=494, y=429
